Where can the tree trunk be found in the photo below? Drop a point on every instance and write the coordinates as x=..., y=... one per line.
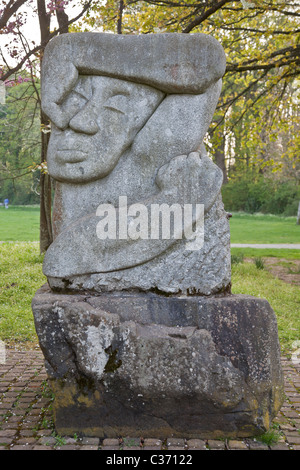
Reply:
x=219, y=158
x=45, y=181
x=120, y=17
x=46, y=237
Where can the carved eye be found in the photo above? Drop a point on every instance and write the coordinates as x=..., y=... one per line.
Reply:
x=117, y=103
x=74, y=102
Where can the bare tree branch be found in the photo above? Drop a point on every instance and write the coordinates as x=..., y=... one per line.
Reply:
x=10, y=9
x=206, y=14
x=43, y=44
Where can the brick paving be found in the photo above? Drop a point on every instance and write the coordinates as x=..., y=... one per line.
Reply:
x=26, y=421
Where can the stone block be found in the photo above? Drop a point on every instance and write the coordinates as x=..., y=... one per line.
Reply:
x=159, y=366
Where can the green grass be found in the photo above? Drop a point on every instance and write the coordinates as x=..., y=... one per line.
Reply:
x=21, y=276
x=262, y=228
x=270, y=437
x=19, y=223
x=266, y=252
x=284, y=298
x=21, y=269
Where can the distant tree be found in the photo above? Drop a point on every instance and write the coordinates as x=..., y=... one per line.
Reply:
x=19, y=144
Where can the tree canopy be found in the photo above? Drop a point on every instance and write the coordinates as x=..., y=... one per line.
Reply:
x=257, y=120
x=255, y=130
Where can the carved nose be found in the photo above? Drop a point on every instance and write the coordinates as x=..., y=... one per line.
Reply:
x=84, y=123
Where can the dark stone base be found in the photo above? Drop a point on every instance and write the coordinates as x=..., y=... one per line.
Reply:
x=147, y=365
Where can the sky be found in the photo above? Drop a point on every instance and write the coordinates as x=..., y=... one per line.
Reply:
x=31, y=31
x=31, y=27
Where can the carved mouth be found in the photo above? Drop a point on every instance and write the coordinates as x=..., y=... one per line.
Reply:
x=71, y=156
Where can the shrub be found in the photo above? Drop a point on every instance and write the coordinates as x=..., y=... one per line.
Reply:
x=258, y=194
x=259, y=263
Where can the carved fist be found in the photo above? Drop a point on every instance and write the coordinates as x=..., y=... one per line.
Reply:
x=191, y=179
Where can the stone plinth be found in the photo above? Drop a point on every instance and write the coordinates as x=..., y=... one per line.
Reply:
x=155, y=366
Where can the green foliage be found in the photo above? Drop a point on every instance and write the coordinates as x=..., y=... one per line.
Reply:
x=237, y=258
x=259, y=194
x=270, y=437
x=259, y=262
x=19, y=145
x=257, y=119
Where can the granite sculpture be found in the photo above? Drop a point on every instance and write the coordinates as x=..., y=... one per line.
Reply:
x=139, y=328
x=134, y=131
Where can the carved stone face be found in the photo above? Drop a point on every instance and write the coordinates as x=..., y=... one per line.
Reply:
x=104, y=116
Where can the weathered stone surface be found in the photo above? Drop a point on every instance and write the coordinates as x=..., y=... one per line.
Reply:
x=140, y=333
x=129, y=117
x=173, y=63
x=176, y=270
x=158, y=366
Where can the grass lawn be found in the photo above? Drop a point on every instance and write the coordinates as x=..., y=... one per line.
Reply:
x=262, y=228
x=21, y=269
x=284, y=298
x=266, y=252
x=19, y=223
x=21, y=275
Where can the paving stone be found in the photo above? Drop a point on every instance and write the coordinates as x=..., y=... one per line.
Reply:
x=6, y=440
x=44, y=432
x=110, y=442
x=10, y=424
x=175, y=442
x=255, y=445
x=26, y=441
x=287, y=427
x=149, y=442
x=176, y=448
x=7, y=433
x=70, y=440
x=92, y=441
x=216, y=445
x=87, y=447
x=67, y=447
x=196, y=444
x=25, y=433
x=293, y=438
x=280, y=446
x=111, y=448
x=291, y=414
x=132, y=448
x=237, y=445
x=47, y=440
x=37, y=447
